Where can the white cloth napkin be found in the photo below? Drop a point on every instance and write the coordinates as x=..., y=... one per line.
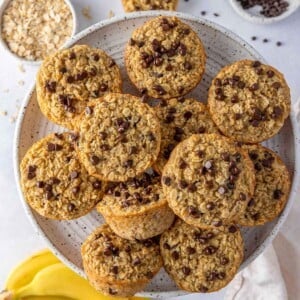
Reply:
x=273, y=275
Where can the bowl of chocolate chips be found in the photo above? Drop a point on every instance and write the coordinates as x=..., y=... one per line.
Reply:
x=265, y=11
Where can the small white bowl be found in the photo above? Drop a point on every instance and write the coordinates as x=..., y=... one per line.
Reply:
x=254, y=16
x=34, y=62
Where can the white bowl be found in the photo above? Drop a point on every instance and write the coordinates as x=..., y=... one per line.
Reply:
x=34, y=62
x=64, y=238
x=254, y=16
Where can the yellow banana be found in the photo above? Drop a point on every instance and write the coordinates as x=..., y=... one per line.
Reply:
x=58, y=280
x=24, y=273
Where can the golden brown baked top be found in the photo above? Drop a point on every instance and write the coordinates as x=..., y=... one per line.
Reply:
x=136, y=5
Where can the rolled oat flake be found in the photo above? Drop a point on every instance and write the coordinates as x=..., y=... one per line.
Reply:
x=33, y=29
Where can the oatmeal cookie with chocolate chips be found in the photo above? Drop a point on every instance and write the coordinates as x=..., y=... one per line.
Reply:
x=165, y=58
x=201, y=260
x=119, y=267
x=119, y=137
x=136, y=209
x=272, y=187
x=179, y=119
x=55, y=183
x=68, y=80
x=136, y=5
x=249, y=101
x=208, y=180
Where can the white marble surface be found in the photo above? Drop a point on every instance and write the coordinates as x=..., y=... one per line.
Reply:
x=16, y=234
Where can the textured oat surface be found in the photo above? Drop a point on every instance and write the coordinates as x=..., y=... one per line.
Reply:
x=68, y=80
x=136, y=209
x=201, y=260
x=119, y=137
x=112, y=261
x=249, y=101
x=272, y=187
x=33, y=29
x=179, y=119
x=55, y=183
x=135, y=5
x=165, y=58
x=208, y=180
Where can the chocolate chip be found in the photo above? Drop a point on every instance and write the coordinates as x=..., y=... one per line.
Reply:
x=186, y=270
x=211, y=276
x=277, y=112
x=221, y=275
x=159, y=89
x=169, y=119
x=70, y=79
x=254, y=87
x=209, y=250
x=251, y=202
x=63, y=70
x=169, y=67
x=50, y=86
x=255, y=216
x=182, y=184
x=93, y=73
x=209, y=184
x=225, y=156
x=103, y=87
x=200, y=153
x=81, y=76
x=192, y=188
x=94, y=160
x=111, y=63
x=49, y=195
x=210, y=206
x=217, y=223
x=188, y=66
x=242, y=197
x=182, y=164
x=136, y=262
x=237, y=116
x=40, y=184
x=193, y=211
x=112, y=292
x=128, y=163
x=234, y=99
x=149, y=275
x=276, y=85
x=182, y=49
x=140, y=44
x=175, y=255
x=202, y=288
x=259, y=71
x=75, y=190
x=151, y=137
x=96, y=57
x=241, y=84
x=201, y=129
x=166, y=180
x=54, y=180
x=190, y=250
x=54, y=147
x=277, y=194
x=133, y=150
x=224, y=261
x=270, y=73
x=218, y=82
x=256, y=64
x=180, y=89
x=97, y=185
x=232, y=229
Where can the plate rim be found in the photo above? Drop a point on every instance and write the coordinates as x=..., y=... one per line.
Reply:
x=114, y=20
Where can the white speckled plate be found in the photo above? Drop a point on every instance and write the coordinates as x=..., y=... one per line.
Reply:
x=223, y=47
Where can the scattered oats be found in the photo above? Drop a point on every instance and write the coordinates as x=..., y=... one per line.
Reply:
x=5, y=90
x=86, y=12
x=21, y=68
x=111, y=14
x=3, y=113
x=41, y=28
x=21, y=82
x=12, y=119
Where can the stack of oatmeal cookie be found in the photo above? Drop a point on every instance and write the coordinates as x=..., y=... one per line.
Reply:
x=174, y=181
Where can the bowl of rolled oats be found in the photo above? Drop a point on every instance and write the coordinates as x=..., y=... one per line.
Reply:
x=31, y=30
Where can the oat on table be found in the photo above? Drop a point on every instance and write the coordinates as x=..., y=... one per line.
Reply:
x=249, y=101
x=179, y=119
x=201, y=260
x=136, y=5
x=208, y=180
x=119, y=267
x=271, y=190
x=136, y=209
x=68, y=80
x=55, y=183
x=119, y=137
x=165, y=58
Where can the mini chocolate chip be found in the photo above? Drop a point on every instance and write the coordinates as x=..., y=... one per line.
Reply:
x=255, y=216
x=210, y=206
x=71, y=207
x=169, y=67
x=92, y=73
x=217, y=223
x=209, y=184
x=133, y=150
x=128, y=163
x=54, y=147
x=149, y=275
x=255, y=123
x=180, y=89
x=49, y=195
x=158, y=61
x=175, y=255
x=200, y=153
x=251, y=202
x=192, y=188
x=151, y=137
x=136, y=261
x=232, y=229
x=166, y=180
x=237, y=116
x=259, y=71
x=234, y=99
x=211, y=276
x=159, y=89
x=140, y=44
x=103, y=87
x=40, y=184
x=131, y=42
x=221, y=275
x=277, y=112
x=256, y=64
x=220, y=97
x=70, y=79
x=81, y=76
x=224, y=261
x=75, y=190
x=276, y=85
x=209, y=250
x=242, y=197
x=190, y=250
x=201, y=129
x=107, y=252
x=104, y=147
x=115, y=270
x=111, y=63
x=225, y=156
x=182, y=49
x=254, y=87
x=182, y=164
x=202, y=288
x=50, y=86
x=97, y=185
x=277, y=194
x=241, y=84
x=112, y=292
x=203, y=171
x=94, y=160
x=63, y=70
x=193, y=211
x=54, y=180
x=218, y=82
x=31, y=175
x=188, y=66
x=182, y=184
x=270, y=73
x=186, y=270
x=169, y=119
